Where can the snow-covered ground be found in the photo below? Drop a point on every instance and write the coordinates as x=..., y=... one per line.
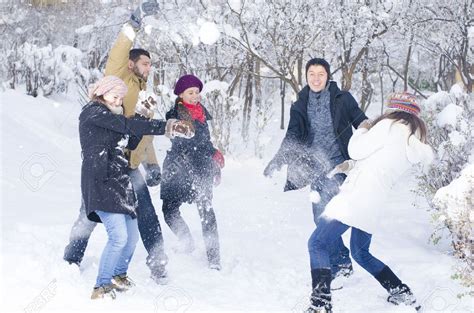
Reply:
x=263, y=235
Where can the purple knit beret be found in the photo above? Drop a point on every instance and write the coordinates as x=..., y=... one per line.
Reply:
x=185, y=82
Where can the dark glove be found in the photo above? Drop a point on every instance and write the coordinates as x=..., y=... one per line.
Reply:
x=153, y=174
x=273, y=166
x=149, y=7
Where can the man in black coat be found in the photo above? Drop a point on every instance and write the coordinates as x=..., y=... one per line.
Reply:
x=316, y=140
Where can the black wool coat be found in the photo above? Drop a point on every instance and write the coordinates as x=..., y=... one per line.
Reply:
x=105, y=183
x=188, y=169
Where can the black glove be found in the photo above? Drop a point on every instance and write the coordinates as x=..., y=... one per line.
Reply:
x=153, y=174
x=149, y=7
x=273, y=166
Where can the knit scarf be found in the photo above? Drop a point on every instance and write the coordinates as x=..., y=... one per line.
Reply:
x=196, y=111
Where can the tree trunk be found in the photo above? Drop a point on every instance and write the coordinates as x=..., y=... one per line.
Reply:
x=282, y=95
x=247, y=102
x=367, y=89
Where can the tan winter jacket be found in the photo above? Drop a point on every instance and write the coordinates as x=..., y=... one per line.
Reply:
x=117, y=64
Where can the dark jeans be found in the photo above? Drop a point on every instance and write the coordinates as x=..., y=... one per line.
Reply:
x=148, y=226
x=327, y=232
x=208, y=222
x=79, y=237
x=327, y=189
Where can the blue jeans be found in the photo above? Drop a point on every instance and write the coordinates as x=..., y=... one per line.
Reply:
x=122, y=232
x=148, y=226
x=327, y=189
x=327, y=232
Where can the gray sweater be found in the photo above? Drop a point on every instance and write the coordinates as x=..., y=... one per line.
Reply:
x=324, y=145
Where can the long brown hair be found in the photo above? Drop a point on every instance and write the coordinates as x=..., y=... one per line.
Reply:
x=182, y=111
x=417, y=126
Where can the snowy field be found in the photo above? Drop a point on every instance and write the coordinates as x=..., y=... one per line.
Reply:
x=263, y=235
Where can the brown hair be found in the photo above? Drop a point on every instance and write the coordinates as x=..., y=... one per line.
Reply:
x=417, y=126
x=99, y=99
x=182, y=111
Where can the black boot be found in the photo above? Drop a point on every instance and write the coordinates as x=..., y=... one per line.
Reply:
x=399, y=292
x=321, y=295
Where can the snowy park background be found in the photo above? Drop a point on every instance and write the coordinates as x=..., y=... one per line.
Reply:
x=251, y=56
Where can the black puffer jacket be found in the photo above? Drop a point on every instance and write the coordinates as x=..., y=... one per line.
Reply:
x=188, y=169
x=105, y=183
x=345, y=113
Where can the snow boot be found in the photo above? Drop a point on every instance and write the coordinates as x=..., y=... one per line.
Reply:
x=123, y=281
x=213, y=256
x=106, y=291
x=160, y=275
x=399, y=292
x=320, y=301
x=344, y=271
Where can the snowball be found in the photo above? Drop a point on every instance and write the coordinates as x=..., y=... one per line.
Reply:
x=148, y=29
x=209, y=33
x=449, y=115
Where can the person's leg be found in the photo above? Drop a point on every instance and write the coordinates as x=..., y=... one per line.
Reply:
x=149, y=225
x=177, y=224
x=319, y=243
x=79, y=237
x=127, y=252
x=209, y=231
x=360, y=244
x=399, y=292
x=338, y=252
x=116, y=228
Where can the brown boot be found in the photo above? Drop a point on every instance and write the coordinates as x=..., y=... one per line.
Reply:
x=103, y=292
x=122, y=282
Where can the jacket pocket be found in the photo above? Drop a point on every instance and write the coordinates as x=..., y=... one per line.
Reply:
x=96, y=161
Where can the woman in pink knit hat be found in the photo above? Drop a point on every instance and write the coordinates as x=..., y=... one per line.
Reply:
x=108, y=195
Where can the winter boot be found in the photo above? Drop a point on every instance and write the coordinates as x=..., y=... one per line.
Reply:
x=321, y=295
x=343, y=271
x=159, y=275
x=106, y=291
x=399, y=292
x=123, y=281
x=213, y=256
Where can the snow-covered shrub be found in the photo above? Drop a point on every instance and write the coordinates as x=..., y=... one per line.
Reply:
x=455, y=205
x=46, y=69
x=448, y=182
x=224, y=109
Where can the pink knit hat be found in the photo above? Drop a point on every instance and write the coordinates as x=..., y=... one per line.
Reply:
x=107, y=84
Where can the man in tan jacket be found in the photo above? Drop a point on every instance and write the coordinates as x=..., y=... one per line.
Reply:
x=133, y=67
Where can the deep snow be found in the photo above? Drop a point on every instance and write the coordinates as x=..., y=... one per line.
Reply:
x=263, y=234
